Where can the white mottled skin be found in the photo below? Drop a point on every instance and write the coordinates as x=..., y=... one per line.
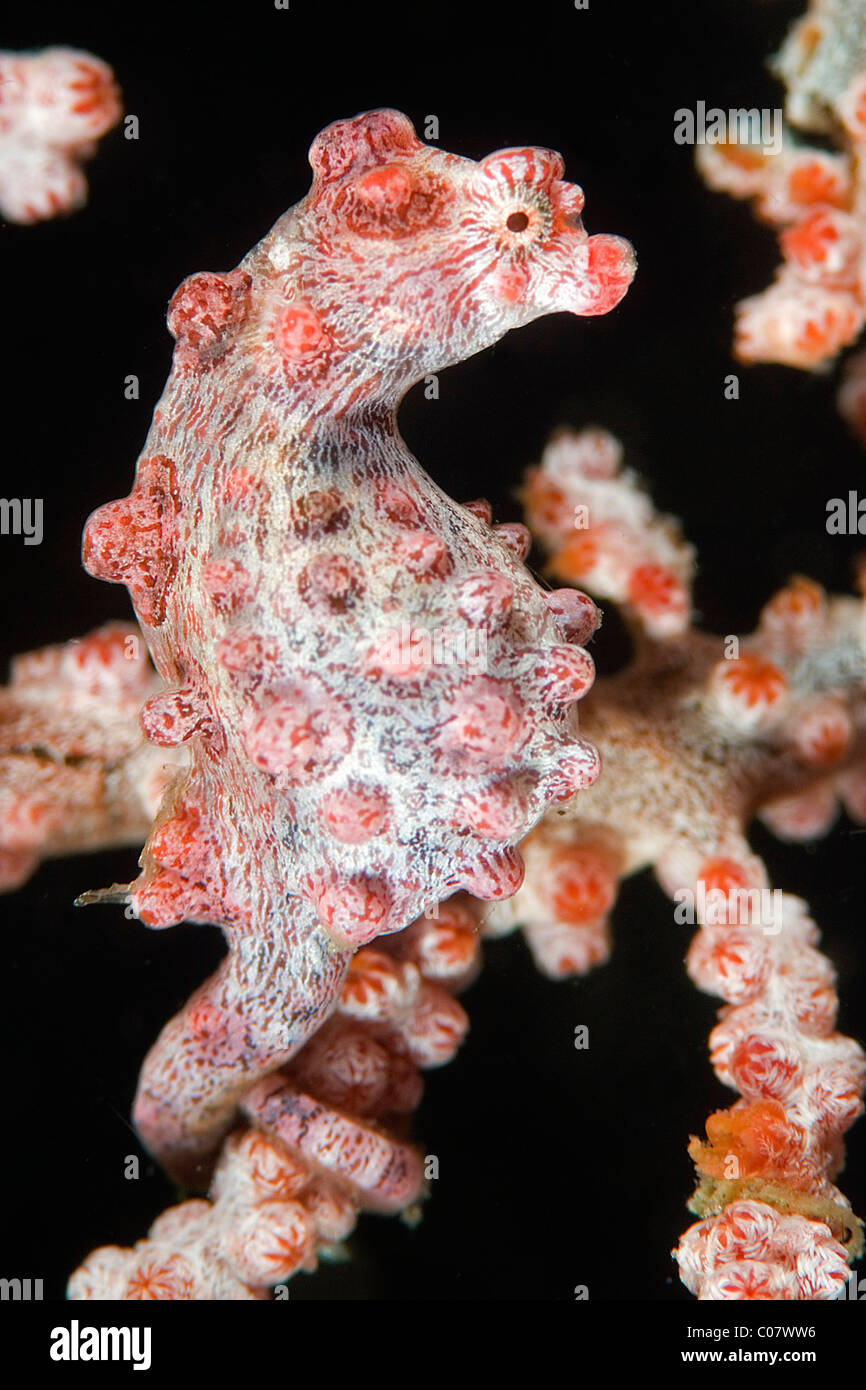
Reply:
x=273, y=451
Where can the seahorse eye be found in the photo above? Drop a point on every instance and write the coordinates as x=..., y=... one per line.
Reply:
x=517, y=222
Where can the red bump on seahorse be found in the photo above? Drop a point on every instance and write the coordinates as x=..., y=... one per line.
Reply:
x=377, y=698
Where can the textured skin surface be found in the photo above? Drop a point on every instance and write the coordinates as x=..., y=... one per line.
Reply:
x=54, y=106
x=817, y=304
x=376, y=696
x=289, y=1190
x=695, y=740
x=694, y=743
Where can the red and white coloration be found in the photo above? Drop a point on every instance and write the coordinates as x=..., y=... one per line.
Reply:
x=377, y=698
x=269, y=1217
x=697, y=735
x=54, y=106
x=75, y=773
x=817, y=305
x=602, y=531
x=779, y=1147
x=755, y=1251
x=350, y=750
x=287, y=1192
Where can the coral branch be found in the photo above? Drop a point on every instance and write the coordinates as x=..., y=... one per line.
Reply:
x=775, y=1225
x=817, y=305
x=54, y=106
x=365, y=704
x=697, y=735
x=288, y=1192
x=75, y=771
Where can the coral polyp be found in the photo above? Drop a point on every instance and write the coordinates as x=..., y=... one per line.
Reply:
x=54, y=106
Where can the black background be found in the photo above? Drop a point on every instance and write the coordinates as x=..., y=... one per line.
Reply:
x=558, y=1168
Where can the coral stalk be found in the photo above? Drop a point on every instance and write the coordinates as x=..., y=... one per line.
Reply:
x=75, y=772
x=287, y=1192
x=697, y=735
x=54, y=106
x=817, y=305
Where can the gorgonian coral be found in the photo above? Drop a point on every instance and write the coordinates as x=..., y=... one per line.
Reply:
x=54, y=106
x=364, y=704
x=817, y=304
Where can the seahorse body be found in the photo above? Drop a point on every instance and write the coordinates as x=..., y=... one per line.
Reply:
x=378, y=698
